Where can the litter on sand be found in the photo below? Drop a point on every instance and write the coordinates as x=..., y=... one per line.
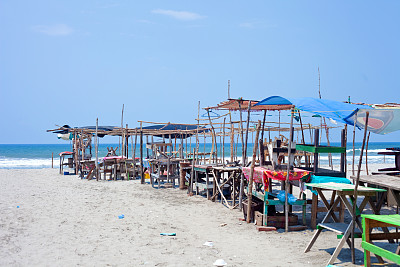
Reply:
x=168, y=234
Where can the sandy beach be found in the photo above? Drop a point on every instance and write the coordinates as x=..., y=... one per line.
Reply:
x=49, y=219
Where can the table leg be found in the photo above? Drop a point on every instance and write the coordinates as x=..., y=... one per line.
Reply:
x=366, y=238
x=207, y=183
x=196, y=183
x=341, y=244
x=327, y=204
x=318, y=232
x=214, y=187
x=234, y=189
x=314, y=212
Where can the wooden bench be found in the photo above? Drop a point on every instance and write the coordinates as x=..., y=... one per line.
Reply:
x=371, y=221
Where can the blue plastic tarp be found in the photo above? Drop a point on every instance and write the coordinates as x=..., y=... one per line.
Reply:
x=380, y=121
x=335, y=110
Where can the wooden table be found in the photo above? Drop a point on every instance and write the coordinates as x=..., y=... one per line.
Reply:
x=390, y=183
x=158, y=166
x=263, y=175
x=391, y=171
x=372, y=221
x=232, y=179
x=343, y=192
x=196, y=169
x=70, y=160
x=86, y=167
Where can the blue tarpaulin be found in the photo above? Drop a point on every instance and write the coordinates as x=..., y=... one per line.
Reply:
x=380, y=121
x=336, y=110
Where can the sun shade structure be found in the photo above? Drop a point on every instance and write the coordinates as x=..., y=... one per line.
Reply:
x=102, y=130
x=335, y=110
x=242, y=105
x=383, y=118
x=173, y=130
x=380, y=121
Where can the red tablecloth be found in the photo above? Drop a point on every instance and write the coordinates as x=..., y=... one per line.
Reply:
x=262, y=174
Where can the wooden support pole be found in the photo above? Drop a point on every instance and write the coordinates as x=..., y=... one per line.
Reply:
x=142, y=181
x=356, y=188
x=263, y=125
x=232, y=142
x=307, y=164
x=214, y=138
x=354, y=138
x=343, y=155
x=316, y=144
x=366, y=154
x=190, y=187
x=52, y=160
x=243, y=163
x=287, y=185
x=97, y=150
x=134, y=156
x=223, y=144
x=250, y=190
x=247, y=132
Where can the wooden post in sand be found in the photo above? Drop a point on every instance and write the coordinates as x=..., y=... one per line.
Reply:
x=134, y=156
x=214, y=138
x=243, y=163
x=97, y=150
x=223, y=145
x=232, y=143
x=247, y=132
x=52, y=159
x=141, y=157
x=244, y=153
x=356, y=188
x=354, y=138
x=287, y=186
x=250, y=190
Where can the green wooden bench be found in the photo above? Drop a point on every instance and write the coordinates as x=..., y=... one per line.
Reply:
x=371, y=221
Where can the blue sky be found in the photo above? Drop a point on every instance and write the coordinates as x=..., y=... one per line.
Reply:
x=69, y=62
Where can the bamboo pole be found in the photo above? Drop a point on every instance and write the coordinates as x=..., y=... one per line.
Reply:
x=243, y=161
x=134, y=156
x=247, y=131
x=214, y=138
x=366, y=154
x=250, y=189
x=345, y=153
x=354, y=137
x=356, y=188
x=97, y=150
x=232, y=143
x=223, y=145
x=83, y=152
x=142, y=181
x=288, y=172
x=197, y=129
x=263, y=125
x=303, y=140
x=122, y=126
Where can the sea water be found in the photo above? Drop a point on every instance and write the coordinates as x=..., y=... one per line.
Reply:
x=34, y=156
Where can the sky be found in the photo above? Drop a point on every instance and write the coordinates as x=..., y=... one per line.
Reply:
x=70, y=62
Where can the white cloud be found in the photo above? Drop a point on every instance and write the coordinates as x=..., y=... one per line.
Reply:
x=53, y=30
x=181, y=15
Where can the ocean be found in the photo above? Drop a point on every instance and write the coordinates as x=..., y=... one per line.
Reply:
x=36, y=156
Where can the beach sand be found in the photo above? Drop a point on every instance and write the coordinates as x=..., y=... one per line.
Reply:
x=49, y=219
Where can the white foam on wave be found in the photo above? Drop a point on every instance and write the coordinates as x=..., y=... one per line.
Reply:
x=369, y=150
x=371, y=159
x=24, y=163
